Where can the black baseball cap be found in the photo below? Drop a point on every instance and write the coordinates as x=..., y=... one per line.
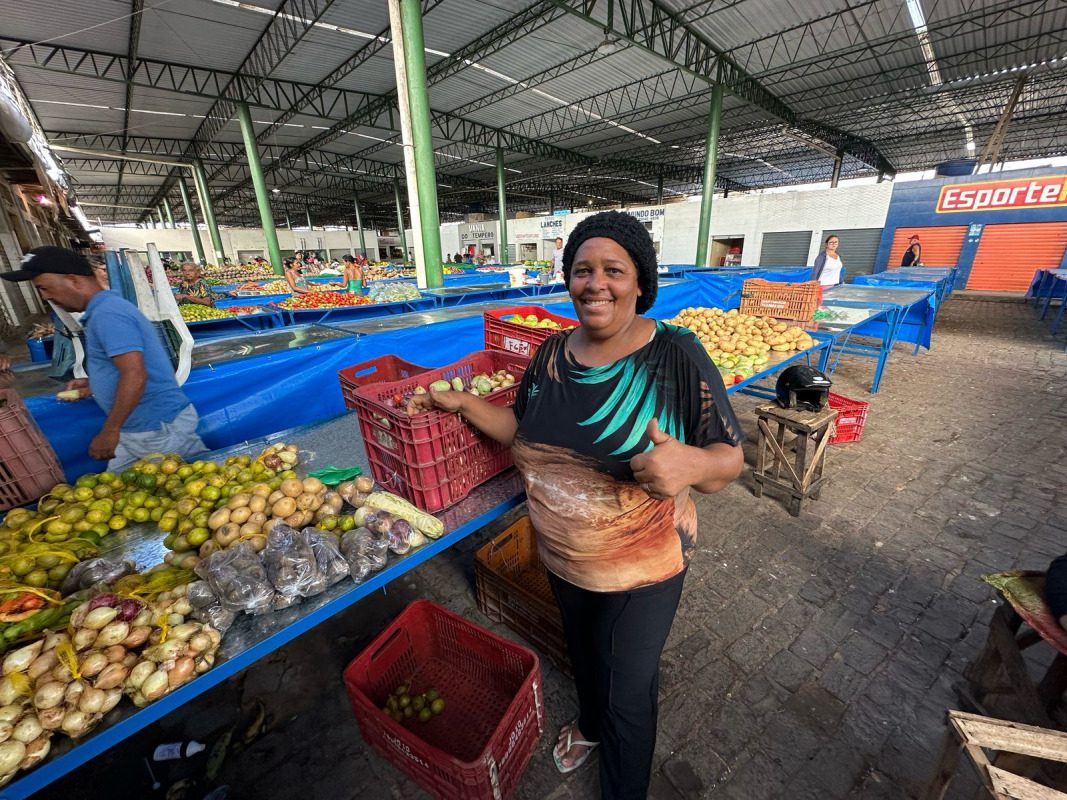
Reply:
x=42, y=260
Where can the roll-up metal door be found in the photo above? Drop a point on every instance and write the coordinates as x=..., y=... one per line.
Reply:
x=785, y=249
x=858, y=249
x=940, y=244
x=1008, y=255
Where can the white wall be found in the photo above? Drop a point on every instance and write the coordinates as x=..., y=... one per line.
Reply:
x=239, y=239
x=752, y=215
x=675, y=231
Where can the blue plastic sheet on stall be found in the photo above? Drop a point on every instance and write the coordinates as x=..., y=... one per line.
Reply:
x=236, y=400
x=255, y=396
x=916, y=328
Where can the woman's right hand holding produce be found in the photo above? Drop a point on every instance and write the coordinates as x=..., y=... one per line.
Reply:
x=445, y=401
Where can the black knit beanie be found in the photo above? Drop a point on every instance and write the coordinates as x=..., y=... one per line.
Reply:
x=631, y=235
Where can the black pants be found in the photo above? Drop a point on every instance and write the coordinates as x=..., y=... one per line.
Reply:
x=614, y=640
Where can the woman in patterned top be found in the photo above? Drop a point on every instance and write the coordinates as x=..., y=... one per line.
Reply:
x=615, y=421
x=193, y=288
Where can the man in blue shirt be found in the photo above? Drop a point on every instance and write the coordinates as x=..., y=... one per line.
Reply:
x=130, y=375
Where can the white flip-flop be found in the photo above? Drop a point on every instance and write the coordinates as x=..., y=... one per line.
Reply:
x=571, y=742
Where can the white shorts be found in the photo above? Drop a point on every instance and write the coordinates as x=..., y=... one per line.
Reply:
x=177, y=436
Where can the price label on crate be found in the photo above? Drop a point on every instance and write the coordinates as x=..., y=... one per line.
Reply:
x=516, y=346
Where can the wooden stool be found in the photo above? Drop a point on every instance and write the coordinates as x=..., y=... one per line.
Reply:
x=1022, y=753
x=810, y=432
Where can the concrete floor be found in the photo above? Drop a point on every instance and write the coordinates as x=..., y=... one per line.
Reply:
x=812, y=657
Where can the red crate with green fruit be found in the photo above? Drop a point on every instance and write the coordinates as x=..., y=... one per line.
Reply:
x=522, y=329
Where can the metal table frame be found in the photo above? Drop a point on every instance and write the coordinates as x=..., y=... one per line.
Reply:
x=842, y=343
x=449, y=296
x=750, y=385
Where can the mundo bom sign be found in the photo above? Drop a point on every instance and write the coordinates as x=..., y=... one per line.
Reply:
x=1043, y=192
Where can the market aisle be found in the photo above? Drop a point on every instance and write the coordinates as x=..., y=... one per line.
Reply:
x=812, y=656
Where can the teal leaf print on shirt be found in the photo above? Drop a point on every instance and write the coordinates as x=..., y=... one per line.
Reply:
x=633, y=401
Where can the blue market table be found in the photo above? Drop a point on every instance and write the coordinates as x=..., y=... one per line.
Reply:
x=1050, y=284
x=920, y=309
x=940, y=281
x=337, y=441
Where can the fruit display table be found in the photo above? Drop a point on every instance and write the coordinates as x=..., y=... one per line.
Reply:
x=266, y=318
x=334, y=441
x=463, y=294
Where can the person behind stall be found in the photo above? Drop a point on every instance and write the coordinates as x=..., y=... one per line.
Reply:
x=913, y=255
x=130, y=374
x=457, y=259
x=614, y=423
x=353, y=275
x=193, y=288
x=557, y=260
x=828, y=269
x=468, y=258
x=295, y=278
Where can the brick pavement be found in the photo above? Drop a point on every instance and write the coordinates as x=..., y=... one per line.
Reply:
x=812, y=657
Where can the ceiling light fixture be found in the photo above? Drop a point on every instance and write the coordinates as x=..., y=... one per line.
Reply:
x=608, y=46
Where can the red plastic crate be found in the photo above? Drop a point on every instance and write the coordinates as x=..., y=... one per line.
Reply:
x=377, y=370
x=513, y=338
x=433, y=459
x=28, y=465
x=851, y=417
x=479, y=746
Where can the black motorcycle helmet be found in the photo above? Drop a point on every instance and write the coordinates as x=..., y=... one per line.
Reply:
x=801, y=386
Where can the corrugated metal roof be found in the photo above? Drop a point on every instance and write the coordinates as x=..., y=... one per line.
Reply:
x=204, y=33
x=855, y=65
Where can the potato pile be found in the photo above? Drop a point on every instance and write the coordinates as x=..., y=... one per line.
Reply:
x=247, y=515
x=725, y=333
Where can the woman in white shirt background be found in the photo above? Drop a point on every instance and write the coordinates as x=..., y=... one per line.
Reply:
x=828, y=270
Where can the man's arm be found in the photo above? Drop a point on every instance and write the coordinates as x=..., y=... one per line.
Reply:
x=132, y=379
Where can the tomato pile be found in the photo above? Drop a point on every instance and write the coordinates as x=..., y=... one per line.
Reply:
x=324, y=300
x=244, y=309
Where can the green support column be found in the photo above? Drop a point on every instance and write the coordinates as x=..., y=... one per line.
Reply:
x=259, y=183
x=170, y=214
x=502, y=207
x=359, y=227
x=188, y=203
x=209, y=210
x=422, y=141
x=711, y=149
x=159, y=213
x=400, y=218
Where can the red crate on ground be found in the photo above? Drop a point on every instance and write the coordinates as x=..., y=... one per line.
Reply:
x=851, y=417
x=28, y=465
x=433, y=459
x=377, y=370
x=479, y=746
x=521, y=339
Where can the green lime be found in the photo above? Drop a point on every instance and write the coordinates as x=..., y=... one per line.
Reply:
x=425, y=715
x=140, y=514
x=437, y=706
x=432, y=694
x=59, y=572
x=87, y=481
x=106, y=477
x=147, y=482
x=129, y=476
x=197, y=536
x=117, y=522
x=409, y=712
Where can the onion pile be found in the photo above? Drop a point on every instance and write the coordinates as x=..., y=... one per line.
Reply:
x=67, y=681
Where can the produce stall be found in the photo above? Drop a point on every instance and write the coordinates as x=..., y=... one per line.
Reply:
x=462, y=294
x=234, y=320
x=254, y=637
x=846, y=318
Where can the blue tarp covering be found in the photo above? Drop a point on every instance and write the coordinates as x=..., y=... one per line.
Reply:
x=259, y=395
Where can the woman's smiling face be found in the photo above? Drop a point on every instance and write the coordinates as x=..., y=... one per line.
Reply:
x=604, y=287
